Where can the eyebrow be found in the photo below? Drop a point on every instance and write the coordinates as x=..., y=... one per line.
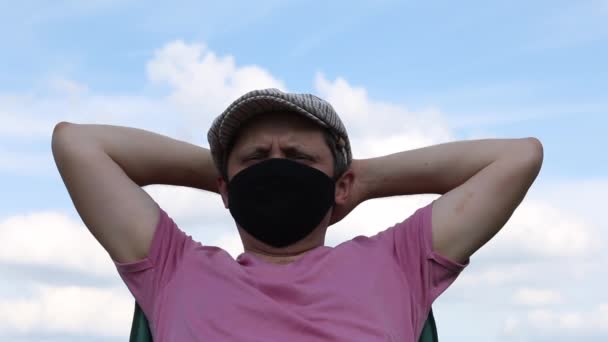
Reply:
x=289, y=150
x=255, y=149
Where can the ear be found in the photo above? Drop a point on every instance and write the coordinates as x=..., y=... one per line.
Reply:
x=223, y=188
x=344, y=187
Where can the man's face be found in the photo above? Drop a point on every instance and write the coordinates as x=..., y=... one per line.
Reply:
x=283, y=135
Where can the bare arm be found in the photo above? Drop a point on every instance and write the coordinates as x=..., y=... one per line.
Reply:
x=104, y=167
x=481, y=182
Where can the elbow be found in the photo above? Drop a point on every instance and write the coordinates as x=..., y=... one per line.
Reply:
x=535, y=150
x=61, y=137
x=60, y=128
x=531, y=153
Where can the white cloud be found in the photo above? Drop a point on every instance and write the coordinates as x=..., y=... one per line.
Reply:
x=577, y=196
x=539, y=229
x=53, y=239
x=375, y=127
x=559, y=323
x=31, y=118
x=67, y=86
x=495, y=276
x=18, y=121
x=69, y=309
x=231, y=243
x=203, y=83
x=511, y=326
x=374, y=216
x=582, y=322
x=26, y=163
x=537, y=297
x=189, y=206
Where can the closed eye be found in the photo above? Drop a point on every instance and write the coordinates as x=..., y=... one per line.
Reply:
x=258, y=157
x=290, y=153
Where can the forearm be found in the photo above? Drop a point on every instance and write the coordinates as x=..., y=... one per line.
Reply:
x=147, y=157
x=435, y=169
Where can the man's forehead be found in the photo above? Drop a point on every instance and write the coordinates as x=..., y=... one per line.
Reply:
x=287, y=137
x=285, y=129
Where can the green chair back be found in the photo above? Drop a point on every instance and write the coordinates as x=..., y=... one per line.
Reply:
x=140, y=330
x=429, y=331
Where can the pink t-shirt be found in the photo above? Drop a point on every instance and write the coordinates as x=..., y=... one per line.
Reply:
x=377, y=288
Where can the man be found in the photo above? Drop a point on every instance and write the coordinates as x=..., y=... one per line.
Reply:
x=283, y=166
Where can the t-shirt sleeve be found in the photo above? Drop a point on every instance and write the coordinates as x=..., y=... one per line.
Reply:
x=428, y=273
x=145, y=278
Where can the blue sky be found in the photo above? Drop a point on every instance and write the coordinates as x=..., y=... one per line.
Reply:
x=438, y=71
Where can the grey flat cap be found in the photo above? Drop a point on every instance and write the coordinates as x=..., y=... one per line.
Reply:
x=227, y=124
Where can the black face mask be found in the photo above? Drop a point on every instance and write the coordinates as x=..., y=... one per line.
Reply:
x=280, y=201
